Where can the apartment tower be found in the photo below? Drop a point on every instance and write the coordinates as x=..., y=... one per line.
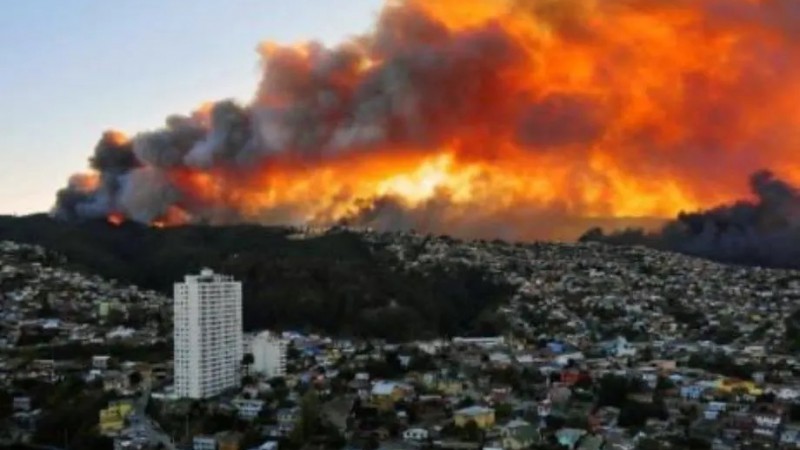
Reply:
x=208, y=334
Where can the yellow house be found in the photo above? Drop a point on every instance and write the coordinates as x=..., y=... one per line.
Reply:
x=482, y=416
x=729, y=386
x=112, y=419
x=450, y=387
x=385, y=394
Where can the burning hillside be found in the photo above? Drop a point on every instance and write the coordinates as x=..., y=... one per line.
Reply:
x=519, y=119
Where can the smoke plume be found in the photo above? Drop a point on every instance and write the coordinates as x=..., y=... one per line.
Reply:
x=763, y=232
x=517, y=119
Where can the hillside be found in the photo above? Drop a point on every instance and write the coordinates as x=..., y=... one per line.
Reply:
x=404, y=285
x=335, y=282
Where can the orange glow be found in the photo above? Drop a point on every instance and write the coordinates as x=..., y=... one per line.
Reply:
x=85, y=182
x=116, y=219
x=116, y=137
x=458, y=111
x=654, y=76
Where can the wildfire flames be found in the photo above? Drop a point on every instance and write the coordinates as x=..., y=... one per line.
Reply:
x=518, y=119
x=115, y=219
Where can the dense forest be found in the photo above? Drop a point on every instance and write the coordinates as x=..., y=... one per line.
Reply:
x=336, y=282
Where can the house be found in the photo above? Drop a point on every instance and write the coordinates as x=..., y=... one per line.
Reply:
x=766, y=424
x=248, y=409
x=485, y=342
x=790, y=437
x=755, y=351
x=385, y=394
x=482, y=416
x=204, y=443
x=570, y=376
x=416, y=434
x=543, y=408
x=362, y=377
x=569, y=437
x=616, y=439
x=567, y=358
x=619, y=348
x=100, y=362
x=22, y=403
x=518, y=434
x=666, y=365
x=787, y=394
x=115, y=380
x=606, y=416
x=692, y=391
x=729, y=386
x=112, y=418
x=450, y=387
x=287, y=418
x=500, y=359
x=714, y=409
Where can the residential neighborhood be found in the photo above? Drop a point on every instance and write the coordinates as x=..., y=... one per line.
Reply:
x=600, y=348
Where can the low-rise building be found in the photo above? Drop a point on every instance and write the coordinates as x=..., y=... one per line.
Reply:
x=482, y=416
x=518, y=434
x=112, y=418
x=416, y=434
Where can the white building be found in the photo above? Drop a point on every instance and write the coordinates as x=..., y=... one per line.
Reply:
x=248, y=409
x=208, y=334
x=416, y=434
x=485, y=342
x=269, y=354
x=204, y=443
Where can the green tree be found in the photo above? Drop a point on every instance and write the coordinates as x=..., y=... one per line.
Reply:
x=472, y=432
x=6, y=400
x=664, y=384
x=135, y=378
x=309, y=423
x=251, y=439
x=247, y=362
x=504, y=411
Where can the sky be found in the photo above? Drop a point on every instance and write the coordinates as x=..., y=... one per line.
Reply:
x=71, y=69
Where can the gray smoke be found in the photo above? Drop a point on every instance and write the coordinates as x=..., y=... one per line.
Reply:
x=313, y=105
x=415, y=85
x=167, y=148
x=763, y=232
x=147, y=195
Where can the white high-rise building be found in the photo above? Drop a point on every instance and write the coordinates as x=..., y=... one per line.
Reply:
x=208, y=334
x=269, y=354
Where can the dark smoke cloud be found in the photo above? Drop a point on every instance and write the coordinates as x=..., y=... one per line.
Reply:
x=229, y=140
x=76, y=200
x=765, y=231
x=311, y=104
x=147, y=195
x=113, y=154
x=427, y=85
x=167, y=148
x=113, y=159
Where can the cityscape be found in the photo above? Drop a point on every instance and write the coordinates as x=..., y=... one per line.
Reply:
x=400, y=225
x=582, y=361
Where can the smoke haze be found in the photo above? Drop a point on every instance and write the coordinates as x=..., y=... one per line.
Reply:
x=765, y=231
x=482, y=118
